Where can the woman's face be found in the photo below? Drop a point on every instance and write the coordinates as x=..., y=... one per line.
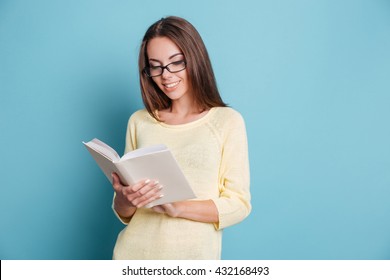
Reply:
x=161, y=52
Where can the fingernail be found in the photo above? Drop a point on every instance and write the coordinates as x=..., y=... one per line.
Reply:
x=160, y=187
x=161, y=195
x=147, y=181
x=156, y=182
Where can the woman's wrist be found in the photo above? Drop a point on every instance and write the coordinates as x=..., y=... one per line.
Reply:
x=181, y=209
x=124, y=209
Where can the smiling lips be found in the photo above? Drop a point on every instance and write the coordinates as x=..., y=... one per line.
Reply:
x=171, y=85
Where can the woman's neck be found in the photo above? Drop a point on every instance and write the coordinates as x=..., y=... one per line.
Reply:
x=180, y=114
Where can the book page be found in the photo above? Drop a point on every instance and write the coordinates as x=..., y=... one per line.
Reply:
x=103, y=149
x=144, y=151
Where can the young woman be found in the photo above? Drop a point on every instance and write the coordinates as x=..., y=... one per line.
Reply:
x=185, y=112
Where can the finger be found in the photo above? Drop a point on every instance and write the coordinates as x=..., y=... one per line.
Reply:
x=144, y=201
x=143, y=183
x=143, y=187
x=151, y=190
x=158, y=209
x=129, y=190
x=151, y=195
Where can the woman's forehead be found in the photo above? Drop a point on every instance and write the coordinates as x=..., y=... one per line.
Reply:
x=162, y=48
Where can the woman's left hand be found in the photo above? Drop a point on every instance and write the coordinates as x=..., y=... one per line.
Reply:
x=171, y=209
x=200, y=210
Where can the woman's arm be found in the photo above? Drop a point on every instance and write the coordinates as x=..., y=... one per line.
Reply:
x=233, y=203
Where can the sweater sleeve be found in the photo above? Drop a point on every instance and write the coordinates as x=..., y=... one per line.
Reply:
x=131, y=143
x=233, y=203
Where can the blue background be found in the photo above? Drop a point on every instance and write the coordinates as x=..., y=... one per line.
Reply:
x=311, y=78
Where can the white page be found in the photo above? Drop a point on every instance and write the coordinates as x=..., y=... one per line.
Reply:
x=103, y=149
x=144, y=151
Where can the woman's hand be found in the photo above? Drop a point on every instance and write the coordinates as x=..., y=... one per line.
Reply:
x=196, y=210
x=171, y=209
x=128, y=198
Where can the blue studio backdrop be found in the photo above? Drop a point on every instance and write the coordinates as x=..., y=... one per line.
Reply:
x=311, y=78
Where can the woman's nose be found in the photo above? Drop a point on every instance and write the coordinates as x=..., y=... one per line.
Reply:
x=166, y=74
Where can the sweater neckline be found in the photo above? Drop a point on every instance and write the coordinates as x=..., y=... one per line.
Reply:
x=192, y=123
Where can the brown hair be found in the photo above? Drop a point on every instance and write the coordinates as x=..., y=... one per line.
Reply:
x=199, y=69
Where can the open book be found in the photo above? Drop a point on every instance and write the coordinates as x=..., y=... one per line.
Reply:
x=154, y=162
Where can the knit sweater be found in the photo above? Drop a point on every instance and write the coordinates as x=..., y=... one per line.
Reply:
x=213, y=154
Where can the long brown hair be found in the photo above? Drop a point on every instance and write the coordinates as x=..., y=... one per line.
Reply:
x=199, y=69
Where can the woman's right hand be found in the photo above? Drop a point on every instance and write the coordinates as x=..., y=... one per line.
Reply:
x=137, y=195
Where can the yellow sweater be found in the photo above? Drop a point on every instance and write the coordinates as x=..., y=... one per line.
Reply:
x=213, y=154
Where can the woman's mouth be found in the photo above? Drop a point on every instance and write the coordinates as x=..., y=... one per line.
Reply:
x=171, y=85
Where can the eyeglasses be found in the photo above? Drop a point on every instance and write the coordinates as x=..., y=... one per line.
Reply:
x=173, y=67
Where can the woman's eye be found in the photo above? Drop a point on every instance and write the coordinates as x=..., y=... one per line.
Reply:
x=177, y=62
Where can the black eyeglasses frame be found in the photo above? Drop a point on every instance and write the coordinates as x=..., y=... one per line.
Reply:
x=146, y=70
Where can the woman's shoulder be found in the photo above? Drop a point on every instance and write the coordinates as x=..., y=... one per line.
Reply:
x=228, y=114
x=141, y=114
x=227, y=123
x=224, y=120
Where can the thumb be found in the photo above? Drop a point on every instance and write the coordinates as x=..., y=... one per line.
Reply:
x=115, y=181
x=158, y=209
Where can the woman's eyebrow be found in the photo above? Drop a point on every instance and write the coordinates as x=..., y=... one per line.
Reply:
x=172, y=56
